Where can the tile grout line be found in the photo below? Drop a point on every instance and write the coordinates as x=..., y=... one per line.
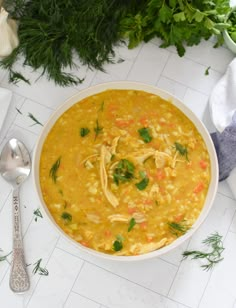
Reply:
x=41, y=276
x=101, y=305
x=134, y=61
x=168, y=58
x=133, y=282
x=208, y=281
x=224, y=195
x=71, y=290
x=36, y=134
x=168, y=294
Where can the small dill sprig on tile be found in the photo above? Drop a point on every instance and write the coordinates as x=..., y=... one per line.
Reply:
x=40, y=270
x=37, y=213
x=214, y=241
x=4, y=257
x=32, y=117
x=18, y=110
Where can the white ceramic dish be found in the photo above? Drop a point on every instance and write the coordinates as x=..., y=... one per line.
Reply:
x=230, y=43
x=151, y=89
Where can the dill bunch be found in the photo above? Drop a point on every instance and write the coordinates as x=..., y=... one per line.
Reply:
x=51, y=32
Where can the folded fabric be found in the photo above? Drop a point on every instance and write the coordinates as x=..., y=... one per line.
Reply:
x=225, y=145
x=222, y=104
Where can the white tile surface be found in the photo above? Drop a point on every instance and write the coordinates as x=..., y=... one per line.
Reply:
x=77, y=279
x=46, y=295
x=191, y=74
x=75, y=300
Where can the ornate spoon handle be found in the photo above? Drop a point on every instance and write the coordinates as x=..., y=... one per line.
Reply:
x=19, y=279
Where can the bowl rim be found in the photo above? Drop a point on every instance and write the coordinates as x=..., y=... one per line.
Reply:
x=128, y=85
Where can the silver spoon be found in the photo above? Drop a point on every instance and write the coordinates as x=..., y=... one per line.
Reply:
x=15, y=165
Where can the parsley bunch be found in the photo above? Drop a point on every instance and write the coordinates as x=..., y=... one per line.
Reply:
x=177, y=22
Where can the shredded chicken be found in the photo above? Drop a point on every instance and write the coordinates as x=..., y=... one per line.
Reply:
x=141, y=156
x=87, y=158
x=93, y=218
x=154, y=191
x=118, y=217
x=103, y=176
x=140, y=248
x=114, y=145
x=161, y=159
x=139, y=217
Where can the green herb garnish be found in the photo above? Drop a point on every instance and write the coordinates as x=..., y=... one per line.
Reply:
x=118, y=243
x=37, y=214
x=177, y=228
x=142, y=184
x=101, y=107
x=213, y=257
x=54, y=169
x=132, y=223
x=18, y=110
x=84, y=131
x=124, y=171
x=145, y=134
x=40, y=270
x=4, y=258
x=60, y=192
x=98, y=129
x=32, y=117
x=67, y=217
x=207, y=71
x=183, y=151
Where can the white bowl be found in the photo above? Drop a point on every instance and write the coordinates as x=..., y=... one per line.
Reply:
x=165, y=95
x=230, y=43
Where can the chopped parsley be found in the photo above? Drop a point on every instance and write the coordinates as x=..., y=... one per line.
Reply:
x=118, y=243
x=84, y=131
x=37, y=214
x=144, y=182
x=207, y=71
x=145, y=134
x=124, y=171
x=132, y=223
x=67, y=217
x=177, y=228
x=183, y=151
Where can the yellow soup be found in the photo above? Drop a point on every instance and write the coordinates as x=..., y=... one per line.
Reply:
x=124, y=172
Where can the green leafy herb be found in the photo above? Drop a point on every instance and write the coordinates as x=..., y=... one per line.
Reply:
x=98, y=129
x=232, y=28
x=214, y=241
x=84, y=131
x=15, y=77
x=124, y=171
x=40, y=270
x=183, y=151
x=156, y=203
x=37, y=213
x=145, y=134
x=118, y=243
x=4, y=258
x=32, y=117
x=67, y=217
x=18, y=110
x=54, y=169
x=177, y=228
x=142, y=184
x=207, y=71
x=132, y=223
x=101, y=107
x=60, y=192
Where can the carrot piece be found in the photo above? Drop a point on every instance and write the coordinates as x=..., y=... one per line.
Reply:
x=203, y=164
x=124, y=123
x=179, y=217
x=84, y=243
x=198, y=188
x=132, y=210
x=149, y=239
x=160, y=175
x=107, y=233
x=143, y=225
x=144, y=121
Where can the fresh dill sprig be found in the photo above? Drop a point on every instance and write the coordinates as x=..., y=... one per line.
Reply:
x=101, y=107
x=32, y=117
x=54, y=169
x=97, y=129
x=4, y=258
x=37, y=214
x=40, y=270
x=18, y=110
x=214, y=241
x=177, y=228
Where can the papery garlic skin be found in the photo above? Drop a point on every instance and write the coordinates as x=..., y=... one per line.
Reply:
x=8, y=34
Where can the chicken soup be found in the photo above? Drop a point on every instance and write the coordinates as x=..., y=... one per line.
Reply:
x=124, y=172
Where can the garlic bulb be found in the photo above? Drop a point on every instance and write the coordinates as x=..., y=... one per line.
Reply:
x=8, y=34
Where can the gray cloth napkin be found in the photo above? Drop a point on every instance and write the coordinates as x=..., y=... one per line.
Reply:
x=225, y=145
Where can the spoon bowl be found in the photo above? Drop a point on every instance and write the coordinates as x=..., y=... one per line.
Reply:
x=15, y=166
